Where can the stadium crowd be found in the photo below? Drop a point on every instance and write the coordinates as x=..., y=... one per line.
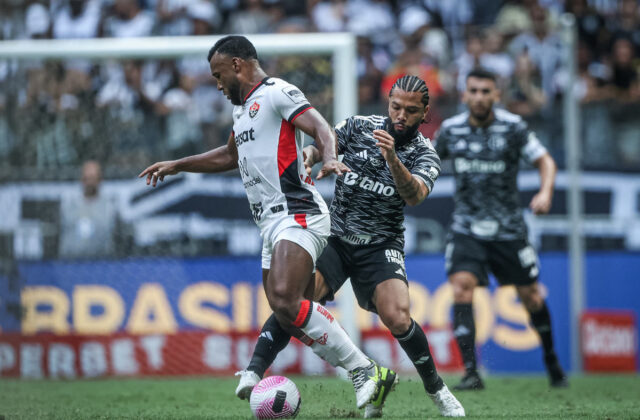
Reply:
x=57, y=114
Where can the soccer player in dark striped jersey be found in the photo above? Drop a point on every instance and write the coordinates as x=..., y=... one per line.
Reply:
x=391, y=165
x=488, y=231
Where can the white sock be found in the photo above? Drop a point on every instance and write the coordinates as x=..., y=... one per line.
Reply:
x=330, y=341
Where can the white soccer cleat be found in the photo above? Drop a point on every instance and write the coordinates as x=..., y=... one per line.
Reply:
x=365, y=383
x=447, y=403
x=372, y=412
x=248, y=379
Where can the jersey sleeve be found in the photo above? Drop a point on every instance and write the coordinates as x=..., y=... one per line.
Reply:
x=531, y=149
x=442, y=143
x=343, y=131
x=426, y=165
x=289, y=101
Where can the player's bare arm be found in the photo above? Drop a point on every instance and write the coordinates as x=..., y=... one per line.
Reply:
x=541, y=202
x=412, y=190
x=313, y=124
x=220, y=159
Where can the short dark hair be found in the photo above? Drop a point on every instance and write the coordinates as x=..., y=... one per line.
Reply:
x=412, y=84
x=481, y=73
x=235, y=46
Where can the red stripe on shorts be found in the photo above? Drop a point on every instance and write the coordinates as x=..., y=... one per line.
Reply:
x=301, y=219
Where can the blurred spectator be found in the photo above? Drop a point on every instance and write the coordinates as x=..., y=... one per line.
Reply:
x=372, y=61
x=371, y=18
x=627, y=23
x=128, y=20
x=484, y=50
x=188, y=17
x=128, y=102
x=330, y=16
x=495, y=58
x=253, y=18
x=591, y=25
x=514, y=17
x=77, y=19
x=182, y=117
x=624, y=71
x=205, y=17
x=544, y=47
x=88, y=219
x=37, y=21
x=524, y=95
x=456, y=16
x=413, y=62
x=172, y=17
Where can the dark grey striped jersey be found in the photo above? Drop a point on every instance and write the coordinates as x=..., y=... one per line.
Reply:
x=485, y=164
x=366, y=207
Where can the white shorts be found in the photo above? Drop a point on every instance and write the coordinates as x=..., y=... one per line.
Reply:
x=308, y=231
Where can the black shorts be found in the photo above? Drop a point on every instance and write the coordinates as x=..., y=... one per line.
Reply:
x=366, y=265
x=511, y=262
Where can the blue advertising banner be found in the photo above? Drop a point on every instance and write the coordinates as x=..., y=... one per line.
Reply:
x=163, y=296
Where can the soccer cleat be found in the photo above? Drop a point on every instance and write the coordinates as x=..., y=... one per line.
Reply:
x=557, y=378
x=388, y=381
x=248, y=379
x=447, y=403
x=366, y=383
x=471, y=381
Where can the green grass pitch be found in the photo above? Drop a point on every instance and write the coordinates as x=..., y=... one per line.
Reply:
x=512, y=397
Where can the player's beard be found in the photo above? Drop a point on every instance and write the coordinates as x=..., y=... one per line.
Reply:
x=484, y=116
x=234, y=93
x=404, y=136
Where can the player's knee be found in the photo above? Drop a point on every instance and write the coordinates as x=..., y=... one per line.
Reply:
x=532, y=302
x=462, y=289
x=530, y=298
x=284, y=306
x=396, y=318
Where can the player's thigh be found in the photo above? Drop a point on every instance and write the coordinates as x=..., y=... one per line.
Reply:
x=466, y=265
x=373, y=265
x=391, y=299
x=514, y=262
x=332, y=268
x=295, y=251
x=291, y=250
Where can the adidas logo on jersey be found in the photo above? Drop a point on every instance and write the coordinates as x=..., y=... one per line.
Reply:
x=367, y=184
x=362, y=154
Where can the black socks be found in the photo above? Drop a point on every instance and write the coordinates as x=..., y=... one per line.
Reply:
x=272, y=340
x=414, y=343
x=541, y=321
x=464, y=329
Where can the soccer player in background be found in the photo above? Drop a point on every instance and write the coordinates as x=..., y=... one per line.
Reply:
x=392, y=165
x=266, y=146
x=488, y=231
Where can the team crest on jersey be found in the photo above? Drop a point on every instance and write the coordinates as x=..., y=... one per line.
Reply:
x=253, y=109
x=497, y=142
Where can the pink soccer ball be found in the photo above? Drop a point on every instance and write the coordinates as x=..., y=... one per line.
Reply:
x=275, y=397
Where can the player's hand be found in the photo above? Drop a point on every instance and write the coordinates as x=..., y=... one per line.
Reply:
x=308, y=162
x=158, y=171
x=332, y=166
x=541, y=202
x=387, y=145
